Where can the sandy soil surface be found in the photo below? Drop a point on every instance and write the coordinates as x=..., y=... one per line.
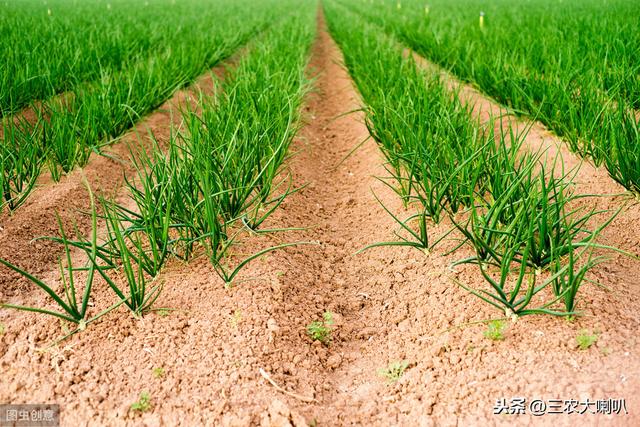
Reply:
x=389, y=305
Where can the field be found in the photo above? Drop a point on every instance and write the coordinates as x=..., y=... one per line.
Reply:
x=335, y=212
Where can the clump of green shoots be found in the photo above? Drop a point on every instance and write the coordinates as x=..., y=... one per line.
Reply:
x=495, y=330
x=394, y=371
x=585, y=93
x=74, y=301
x=158, y=372
x=73, y=309
x=529, y=237
x=143, y=404
x=585, y=340
x=320, y=330
x=20, y=165
x=519, y=218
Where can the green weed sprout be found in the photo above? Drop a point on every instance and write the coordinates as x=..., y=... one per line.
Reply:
x=143, y=404
x=585, y=339
x=393, y=372
x=495, y=330
x=320, y=330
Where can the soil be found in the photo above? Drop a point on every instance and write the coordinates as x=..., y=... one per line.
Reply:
x=389, y=304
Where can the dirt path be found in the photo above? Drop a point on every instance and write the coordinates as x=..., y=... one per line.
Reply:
x=388, y=304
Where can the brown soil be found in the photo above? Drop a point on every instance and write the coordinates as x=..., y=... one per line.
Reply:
x=389, y=304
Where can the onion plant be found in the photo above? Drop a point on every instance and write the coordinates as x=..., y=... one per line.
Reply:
x=622, y=158
x=20, y=165
x=532, y=241
x=568, y=275
x=103, y=106
x=72, y=308
x=135, y=256
x=573, y=66
x=534, y=228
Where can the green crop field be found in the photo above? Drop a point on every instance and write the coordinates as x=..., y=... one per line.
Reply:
x=572, y=65
x=333, y=212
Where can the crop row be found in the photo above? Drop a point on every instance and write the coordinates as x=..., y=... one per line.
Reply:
x=520, y=218
x=68, y=129
x=48, y=47
x=219, y=179
x=574, y=65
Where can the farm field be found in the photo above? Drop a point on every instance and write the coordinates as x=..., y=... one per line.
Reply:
x=343, y=212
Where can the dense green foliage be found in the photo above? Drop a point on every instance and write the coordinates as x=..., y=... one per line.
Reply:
x=573, y=65
x=50, y=46
x=221, y=177
x=519, y=218
x=69, y=128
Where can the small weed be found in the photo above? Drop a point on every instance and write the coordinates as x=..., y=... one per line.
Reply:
x=586, y=340
x=1, y=329
x=158, y=372
x=393, y=371
x=320, y=330
x=495, y=330
x=143, y=404
x=236, y=318
x=605, y=351
x=163, y=312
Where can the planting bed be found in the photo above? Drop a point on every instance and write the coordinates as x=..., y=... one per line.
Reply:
x=328, y=107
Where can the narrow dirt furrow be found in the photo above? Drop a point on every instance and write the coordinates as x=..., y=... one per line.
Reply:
x=343, y=216
x=69, y=197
